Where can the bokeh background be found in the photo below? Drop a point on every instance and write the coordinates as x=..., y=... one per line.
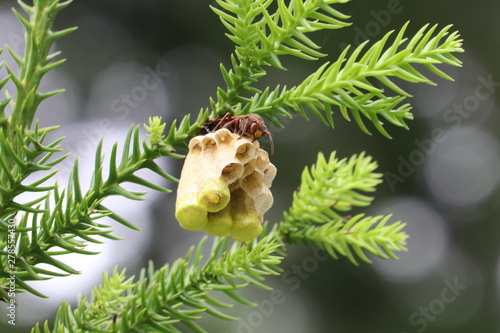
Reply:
x=130, y=60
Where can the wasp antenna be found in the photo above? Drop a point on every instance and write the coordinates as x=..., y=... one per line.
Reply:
x=270, y=141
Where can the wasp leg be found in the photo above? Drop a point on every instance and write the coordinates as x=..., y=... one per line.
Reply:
x=222, y=121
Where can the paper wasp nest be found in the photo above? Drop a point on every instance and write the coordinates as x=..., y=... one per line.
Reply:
x=224, y=186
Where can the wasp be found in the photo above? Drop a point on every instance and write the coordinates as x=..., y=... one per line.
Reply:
x=248, y=125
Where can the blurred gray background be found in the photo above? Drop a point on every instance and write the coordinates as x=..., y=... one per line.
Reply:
x=130, y=60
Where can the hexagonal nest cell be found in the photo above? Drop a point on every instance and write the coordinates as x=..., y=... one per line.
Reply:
x=224, y=186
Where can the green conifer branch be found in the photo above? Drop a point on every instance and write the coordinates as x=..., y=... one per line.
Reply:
x=36, y=61
x=347, y=83
x=22, y=156
x=354, y=235
x=68, y=219
x=24, y=151
x=331, y=187
x=261, y=37
x=161, y=298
